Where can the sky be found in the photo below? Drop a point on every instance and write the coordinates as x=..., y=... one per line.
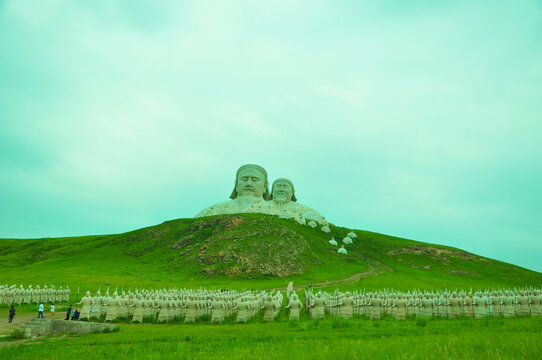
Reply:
x=419, y=119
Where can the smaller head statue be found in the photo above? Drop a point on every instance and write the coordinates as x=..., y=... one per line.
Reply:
x=282, y=191
x=251, y=180
x=87, y=294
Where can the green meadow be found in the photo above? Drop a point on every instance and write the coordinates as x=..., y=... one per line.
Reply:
x=491, y=338
x=248, y=251
x=264, y=252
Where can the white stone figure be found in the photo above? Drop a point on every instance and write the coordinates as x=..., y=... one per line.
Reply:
x=374, y=304
x=535, y=300
x=191, y=309
x=427, y=306
x=290, y=287
x=480, y=305
x=112, y=307
x=270, y=307
x=333, y=242
x=342, y=250
x=454, y=302
x=523, y=304
x=347, y=241
x=251, y=188
x=317, y=305
x=346, y=304
x=352, y=234
x=19, y=293
x=122, y=309
x=283, y=202
x=251, y=195
x=59, y=295
x=242, y=307
x=295, y=307
x=400, y=305
x=87, y=301
x=138, y=305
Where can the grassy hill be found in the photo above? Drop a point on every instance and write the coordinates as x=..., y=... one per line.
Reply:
x=252, y=251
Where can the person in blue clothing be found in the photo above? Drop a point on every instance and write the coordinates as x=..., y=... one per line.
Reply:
x=40, y=311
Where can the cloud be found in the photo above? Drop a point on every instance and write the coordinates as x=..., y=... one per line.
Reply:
x=414, y=119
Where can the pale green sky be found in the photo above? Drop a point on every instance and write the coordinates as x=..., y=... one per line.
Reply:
x=416, y=119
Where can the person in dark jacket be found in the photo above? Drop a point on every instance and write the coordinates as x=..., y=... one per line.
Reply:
x=11, y=313
x=68, y=313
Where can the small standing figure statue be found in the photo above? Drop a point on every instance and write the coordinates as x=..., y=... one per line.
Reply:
x=295, y=307
x=270, y=307
x=87, y=301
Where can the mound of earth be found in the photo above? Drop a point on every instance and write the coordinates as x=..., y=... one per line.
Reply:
x=236, y=246
x=266, y=249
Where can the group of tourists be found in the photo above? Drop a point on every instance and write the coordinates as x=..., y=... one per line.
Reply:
x=189, y=305
x=19, y=295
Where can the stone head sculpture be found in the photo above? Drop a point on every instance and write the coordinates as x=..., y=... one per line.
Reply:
x=283, y=191
x=251, y=180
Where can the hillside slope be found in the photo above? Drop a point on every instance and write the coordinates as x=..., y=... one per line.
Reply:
x=248, y=250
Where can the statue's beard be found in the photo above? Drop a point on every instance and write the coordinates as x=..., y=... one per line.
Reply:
x=281, y=198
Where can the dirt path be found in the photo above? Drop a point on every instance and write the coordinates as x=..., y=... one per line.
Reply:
x=349, y=280
x=18, y=321
x=377, y=269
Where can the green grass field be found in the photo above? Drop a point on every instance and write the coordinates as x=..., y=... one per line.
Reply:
x=490, y=338
x=264, y=252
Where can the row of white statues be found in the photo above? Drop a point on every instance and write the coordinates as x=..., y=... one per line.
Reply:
x=33, y=295
x=190, y=305
x=251, y=195
x=454, y=304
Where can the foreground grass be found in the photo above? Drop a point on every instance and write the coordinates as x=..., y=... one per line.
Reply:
x=492, y=338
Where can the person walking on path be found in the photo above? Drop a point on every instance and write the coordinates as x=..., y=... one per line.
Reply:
x=11, y=313
x=52, y=310
x=40, y=311
x=68, y=313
